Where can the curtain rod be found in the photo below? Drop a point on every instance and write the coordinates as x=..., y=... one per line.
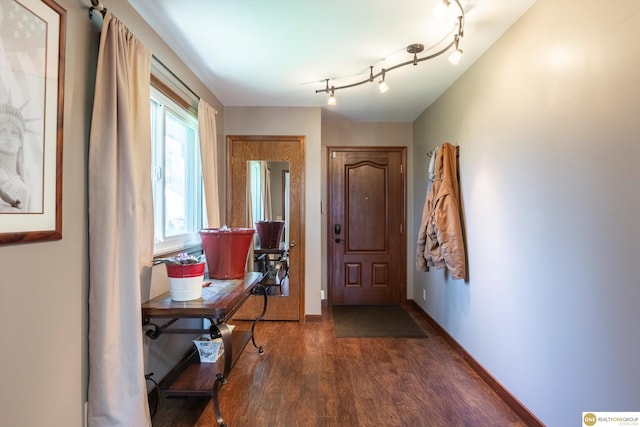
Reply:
x=176, y=77
x=97, y=5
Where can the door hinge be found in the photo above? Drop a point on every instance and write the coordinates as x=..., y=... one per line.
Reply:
x=400, y=228
x=401, y=169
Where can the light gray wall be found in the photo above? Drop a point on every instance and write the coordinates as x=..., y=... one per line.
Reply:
x=43, y=306
x=547, y=123
x=549, y=184
x=292, y=121
x=43, y=328
x=369, y=134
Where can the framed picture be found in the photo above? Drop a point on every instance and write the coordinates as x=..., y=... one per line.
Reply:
x=32, y=44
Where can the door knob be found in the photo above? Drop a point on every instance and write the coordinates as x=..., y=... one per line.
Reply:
x=292, y=244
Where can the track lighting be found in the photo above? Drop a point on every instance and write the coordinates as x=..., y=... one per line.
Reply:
x=413, y=49
x=332, y=99
x=456, y=55
x=441, y=9
x=382, y=85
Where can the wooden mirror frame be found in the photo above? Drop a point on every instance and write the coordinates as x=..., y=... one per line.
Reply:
x=271, y=148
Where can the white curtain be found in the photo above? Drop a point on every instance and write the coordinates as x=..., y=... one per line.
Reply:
x=209, y=156
x=266, y=191
x=249, y=197
x=120, y=229
x=250, y=220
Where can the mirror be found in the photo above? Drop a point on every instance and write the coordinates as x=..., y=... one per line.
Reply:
x=268, y=212
x=269, y=190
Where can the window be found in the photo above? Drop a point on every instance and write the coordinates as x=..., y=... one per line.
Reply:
x=176, y=175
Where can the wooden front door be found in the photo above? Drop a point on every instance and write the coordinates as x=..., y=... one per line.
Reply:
x=287, y=305
x=366, y=236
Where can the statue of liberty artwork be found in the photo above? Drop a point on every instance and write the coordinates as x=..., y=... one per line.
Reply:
x=22, y=110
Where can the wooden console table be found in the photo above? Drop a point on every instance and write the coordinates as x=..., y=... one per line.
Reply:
x=219, y=301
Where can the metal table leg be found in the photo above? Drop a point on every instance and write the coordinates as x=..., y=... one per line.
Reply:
x=257, y=319
x=221, y=330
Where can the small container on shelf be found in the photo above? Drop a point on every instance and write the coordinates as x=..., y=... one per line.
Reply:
x=209, y=349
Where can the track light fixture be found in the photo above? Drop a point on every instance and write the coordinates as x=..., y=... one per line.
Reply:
x=332, y=99
x=414, y=49
x=440, y=11
x=382, y=85
x=456, y=55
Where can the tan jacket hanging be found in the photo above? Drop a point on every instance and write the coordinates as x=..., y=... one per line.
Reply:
x=440, y=239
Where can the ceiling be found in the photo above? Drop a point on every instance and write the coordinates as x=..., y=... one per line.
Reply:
x=279, y=52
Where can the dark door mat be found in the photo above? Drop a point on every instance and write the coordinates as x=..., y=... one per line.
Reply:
x=374, y=321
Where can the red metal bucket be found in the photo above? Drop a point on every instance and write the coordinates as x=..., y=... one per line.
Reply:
x=270, y=233
x=185, y=270
x=226, y=251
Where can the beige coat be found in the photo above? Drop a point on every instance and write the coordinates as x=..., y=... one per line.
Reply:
x=440, y=239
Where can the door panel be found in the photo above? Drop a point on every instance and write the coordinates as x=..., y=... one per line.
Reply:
x=367, y=244
x=287, y=305
x=365, y=197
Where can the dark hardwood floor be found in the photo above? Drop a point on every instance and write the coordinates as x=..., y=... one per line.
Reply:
x=307, y=377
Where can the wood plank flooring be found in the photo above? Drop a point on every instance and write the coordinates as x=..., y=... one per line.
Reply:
x=309, y=378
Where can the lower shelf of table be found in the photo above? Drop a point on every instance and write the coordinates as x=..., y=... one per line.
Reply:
x=192, y=378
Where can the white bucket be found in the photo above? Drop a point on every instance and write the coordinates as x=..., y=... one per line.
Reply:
x=185, y=288
x=208, y=349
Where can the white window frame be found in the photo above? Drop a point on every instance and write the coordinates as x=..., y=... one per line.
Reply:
x=164, y=244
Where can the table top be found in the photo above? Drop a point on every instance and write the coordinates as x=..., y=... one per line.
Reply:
x=219, y=299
